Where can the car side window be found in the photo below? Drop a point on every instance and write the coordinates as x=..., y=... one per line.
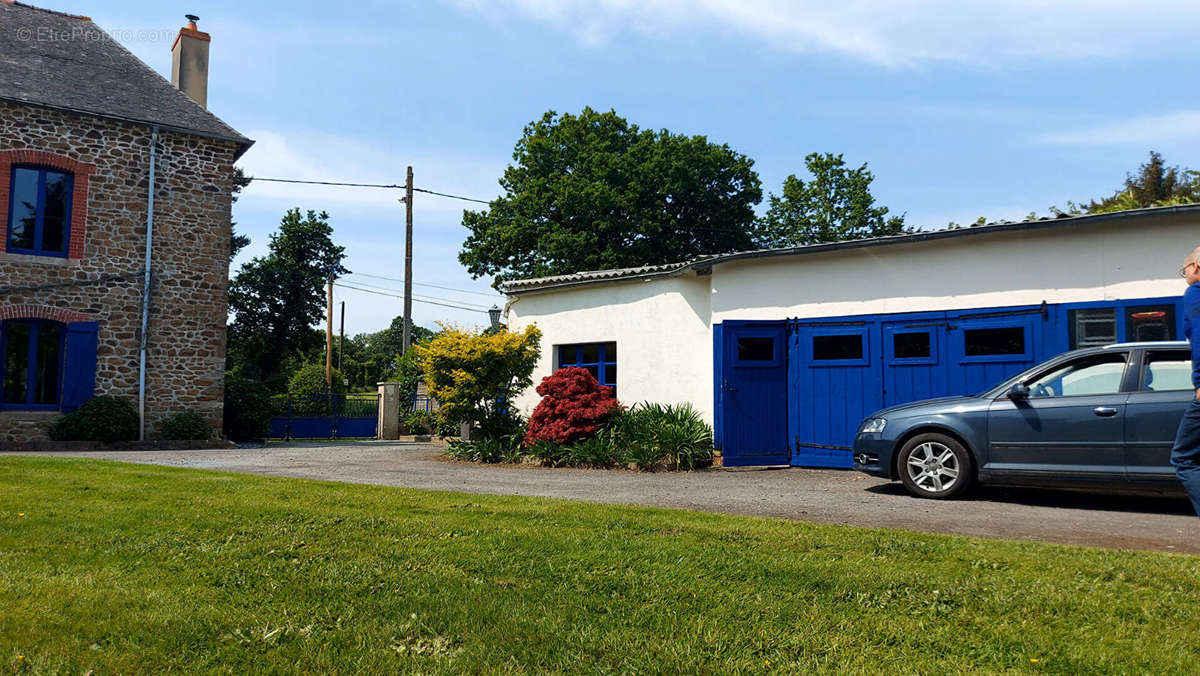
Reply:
x=1096, y=374
x=1167, y=370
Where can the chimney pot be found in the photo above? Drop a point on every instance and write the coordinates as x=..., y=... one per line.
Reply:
x=189, y=61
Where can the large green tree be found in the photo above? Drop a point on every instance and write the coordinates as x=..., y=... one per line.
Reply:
x=237, y=242
x=834, y=205
x=276, y=299
x=1154, y=185
x=593, y=191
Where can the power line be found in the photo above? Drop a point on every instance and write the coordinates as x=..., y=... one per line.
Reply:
x=434, y=286
x=392, y=295
x=456, y=197
x=387, y=186
x=388, y=288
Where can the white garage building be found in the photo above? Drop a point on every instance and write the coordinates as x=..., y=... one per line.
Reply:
x=785, y=350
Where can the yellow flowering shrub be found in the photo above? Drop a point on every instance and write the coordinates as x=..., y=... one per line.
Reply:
x=475, y=375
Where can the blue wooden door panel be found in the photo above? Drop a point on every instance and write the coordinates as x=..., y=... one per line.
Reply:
x=834, y=377
x=754, y=395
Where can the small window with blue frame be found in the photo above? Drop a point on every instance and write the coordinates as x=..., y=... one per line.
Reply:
x=600, y=359
x=39, y=211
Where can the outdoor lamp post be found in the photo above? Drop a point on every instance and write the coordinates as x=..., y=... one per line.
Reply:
x=494, y=315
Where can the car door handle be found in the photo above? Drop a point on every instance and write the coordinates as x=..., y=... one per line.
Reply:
x=1104, y=411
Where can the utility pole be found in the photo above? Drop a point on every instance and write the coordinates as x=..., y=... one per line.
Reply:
x=329, y=334
x=342, y=339
x=408, y=247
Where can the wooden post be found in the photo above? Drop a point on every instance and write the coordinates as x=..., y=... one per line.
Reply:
x=342, y=340
x=406, y=336
x=329, y=335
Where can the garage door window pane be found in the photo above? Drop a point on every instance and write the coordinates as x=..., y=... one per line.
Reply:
x=756, y=349
x=910, y=345
x=838, y=347
x=1150, y=323
x=1097, y=326
x=986, y=342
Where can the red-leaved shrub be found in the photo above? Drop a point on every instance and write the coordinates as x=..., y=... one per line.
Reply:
x=573, y=406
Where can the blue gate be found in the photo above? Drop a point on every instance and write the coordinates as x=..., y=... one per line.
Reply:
x=325, y=416
x=803, y=406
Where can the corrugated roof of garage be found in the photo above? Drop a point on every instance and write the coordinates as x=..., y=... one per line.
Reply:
x=671, y=269
x=67, y=62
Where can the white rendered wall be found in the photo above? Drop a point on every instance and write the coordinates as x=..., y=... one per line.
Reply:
x=664, y=341
x=663, y=328
x=1134, y=259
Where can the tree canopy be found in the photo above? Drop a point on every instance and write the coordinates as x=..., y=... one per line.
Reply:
x=836, y=204
x=1154, y=185
x=276, y=298
x=593, y=191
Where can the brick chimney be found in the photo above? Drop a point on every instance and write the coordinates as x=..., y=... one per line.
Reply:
x=189, y=61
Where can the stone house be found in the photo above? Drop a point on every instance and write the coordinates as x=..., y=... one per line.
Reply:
x=115, y=192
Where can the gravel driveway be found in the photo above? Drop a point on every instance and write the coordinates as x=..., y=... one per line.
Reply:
x=825, y=496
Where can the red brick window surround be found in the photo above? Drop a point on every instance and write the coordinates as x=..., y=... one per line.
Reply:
x=47, y=312
x=82, y=172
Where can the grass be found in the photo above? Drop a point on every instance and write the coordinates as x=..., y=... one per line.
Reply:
x=127, y=568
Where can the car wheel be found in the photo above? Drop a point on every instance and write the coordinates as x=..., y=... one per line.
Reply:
x=935, y=466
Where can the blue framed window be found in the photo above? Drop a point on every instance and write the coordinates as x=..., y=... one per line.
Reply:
x=600, y=359
x=996, y=341
x=839, y=347
x=911, y=346
x=39, y=211
x=31, y=364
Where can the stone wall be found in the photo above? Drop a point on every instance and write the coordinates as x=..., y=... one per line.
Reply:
x=186, y=338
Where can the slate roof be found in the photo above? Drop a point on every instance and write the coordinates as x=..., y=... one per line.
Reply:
x=518, y=286
x=66, y=62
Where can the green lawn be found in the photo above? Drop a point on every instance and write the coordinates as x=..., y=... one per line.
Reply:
x=129, y=568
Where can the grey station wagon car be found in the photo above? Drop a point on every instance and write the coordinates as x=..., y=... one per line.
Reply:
x=1101, y=417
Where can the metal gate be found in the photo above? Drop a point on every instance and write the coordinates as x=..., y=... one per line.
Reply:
x=325, y=416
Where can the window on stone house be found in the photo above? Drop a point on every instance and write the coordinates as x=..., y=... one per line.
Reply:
x=31, y=364
x=39, y=211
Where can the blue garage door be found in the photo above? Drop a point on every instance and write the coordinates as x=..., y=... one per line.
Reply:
x=752, y=396
x=804, y=405
x=834, y=376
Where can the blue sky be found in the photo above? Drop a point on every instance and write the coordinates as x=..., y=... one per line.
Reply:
x=961, y=109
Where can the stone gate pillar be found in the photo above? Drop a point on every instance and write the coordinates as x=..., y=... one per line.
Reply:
x=388, y=426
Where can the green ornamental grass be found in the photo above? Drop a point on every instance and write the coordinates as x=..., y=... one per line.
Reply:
x=119, y=568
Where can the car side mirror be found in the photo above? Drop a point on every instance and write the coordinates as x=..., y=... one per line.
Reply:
x=1018, y=391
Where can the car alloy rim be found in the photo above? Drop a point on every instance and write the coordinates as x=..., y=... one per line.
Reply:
x=933, y=467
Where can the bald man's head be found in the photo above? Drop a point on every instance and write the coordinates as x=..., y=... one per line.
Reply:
x=1193, y=257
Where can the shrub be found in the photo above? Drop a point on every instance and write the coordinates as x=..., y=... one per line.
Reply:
x=474, y=376
x=445, y=426
x=652, y=433
x=101, y=418
x=420, y=422
x=573, y=406
x=599, y=451
x=548, y=453
x=248, y=408
x=507, y=448
x=185, y=426
x=308, y=384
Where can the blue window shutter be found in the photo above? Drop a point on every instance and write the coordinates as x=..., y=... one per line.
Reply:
x=79, y=364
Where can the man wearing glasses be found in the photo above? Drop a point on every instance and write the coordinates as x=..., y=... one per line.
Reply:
x=1185, y=456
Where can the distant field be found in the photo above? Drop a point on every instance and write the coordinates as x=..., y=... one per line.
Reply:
x=131, y=568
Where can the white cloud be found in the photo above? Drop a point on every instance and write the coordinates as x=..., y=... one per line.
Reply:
x=1143, y=131
x=893, y=33
x=326, y=157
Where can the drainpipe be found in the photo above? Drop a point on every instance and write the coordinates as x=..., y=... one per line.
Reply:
x=146, y=291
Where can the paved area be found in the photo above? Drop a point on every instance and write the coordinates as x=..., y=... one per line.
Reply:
x=825, y=496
